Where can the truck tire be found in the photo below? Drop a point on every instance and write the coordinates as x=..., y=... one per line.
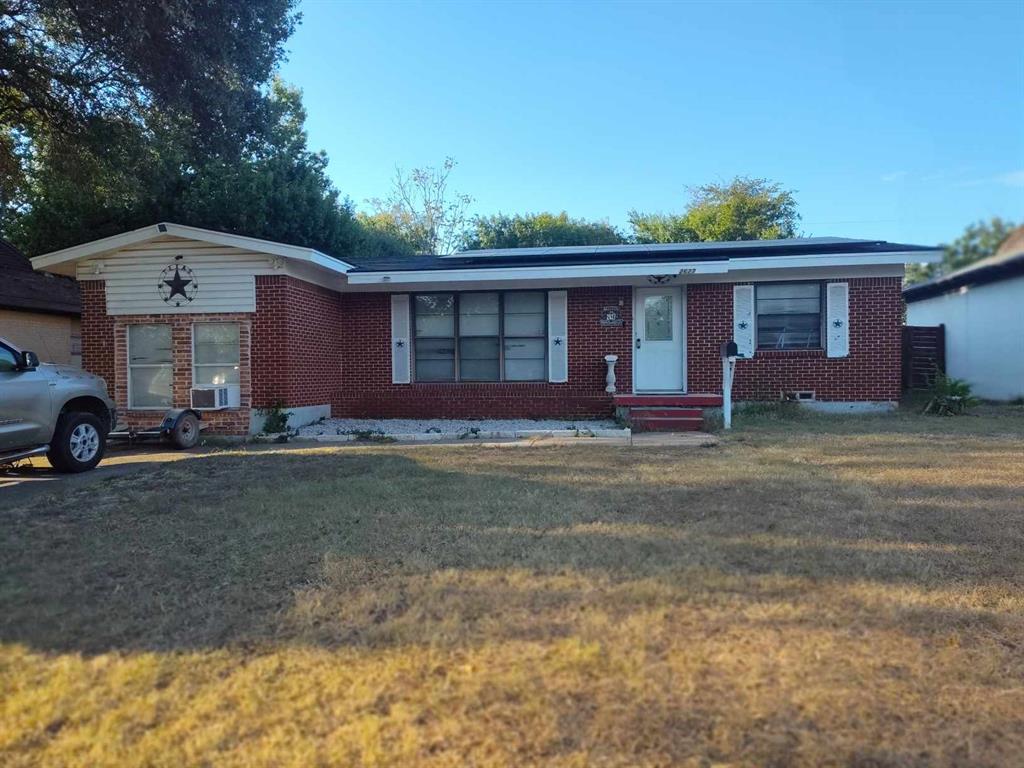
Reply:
x=185, y=433
x=78, y=444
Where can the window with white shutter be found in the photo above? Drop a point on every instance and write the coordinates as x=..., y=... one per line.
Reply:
x=743, y=319
x=400, y=339
x=837, y=323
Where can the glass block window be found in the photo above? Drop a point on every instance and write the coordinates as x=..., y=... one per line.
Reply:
x=485, y=336
x=215, y=354
x=435, y=337
x=526, y=336
x=789, y=316
x=150, y=366
x=479, y=337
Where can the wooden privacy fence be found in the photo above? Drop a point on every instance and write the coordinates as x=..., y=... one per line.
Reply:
x=924, y=355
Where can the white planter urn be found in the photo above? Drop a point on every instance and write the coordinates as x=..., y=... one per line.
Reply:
x=609, y=379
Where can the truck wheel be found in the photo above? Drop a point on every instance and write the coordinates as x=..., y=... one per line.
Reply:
x=78, y=443
x=185, y=434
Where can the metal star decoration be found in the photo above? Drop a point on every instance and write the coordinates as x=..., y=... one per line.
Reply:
x=400, y=343
x=177, y=284
x=837, y=323
x=557, y=341
x=743, y=325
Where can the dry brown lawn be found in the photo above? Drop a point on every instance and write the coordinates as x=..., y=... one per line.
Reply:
x=820, y=592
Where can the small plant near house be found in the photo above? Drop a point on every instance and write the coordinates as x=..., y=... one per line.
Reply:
x=369, y=435
x=774, y=409
x=275, y=418
x=473, y=433
x=949, y=397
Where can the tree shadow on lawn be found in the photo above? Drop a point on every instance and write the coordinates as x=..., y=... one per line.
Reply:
x=384, y=547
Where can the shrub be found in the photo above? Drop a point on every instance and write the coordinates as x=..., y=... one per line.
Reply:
x=275, y=418
x=949, y=397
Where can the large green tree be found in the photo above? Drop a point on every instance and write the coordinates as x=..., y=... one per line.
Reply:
x=277, y=189
x=66, y=62
x=119, y=113
x=742, y=209
x=538, y=229
x=979, y=240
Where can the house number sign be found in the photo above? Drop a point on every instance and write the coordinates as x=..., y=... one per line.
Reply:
x=611, y=316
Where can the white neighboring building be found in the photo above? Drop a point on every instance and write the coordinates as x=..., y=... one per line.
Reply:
x=982, y=307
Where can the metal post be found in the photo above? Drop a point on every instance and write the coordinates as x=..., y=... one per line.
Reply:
x=728, y=363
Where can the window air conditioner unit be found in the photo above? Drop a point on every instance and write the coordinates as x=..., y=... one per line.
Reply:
x=210, y=398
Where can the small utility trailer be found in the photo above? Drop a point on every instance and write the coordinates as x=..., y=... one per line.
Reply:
x=179, y=426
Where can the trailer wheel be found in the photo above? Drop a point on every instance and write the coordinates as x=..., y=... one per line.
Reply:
x=185, y=432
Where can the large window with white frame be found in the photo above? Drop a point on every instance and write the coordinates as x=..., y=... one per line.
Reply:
x=215, y=354
x=789, y=315
x=480, y=336
x=150, y=366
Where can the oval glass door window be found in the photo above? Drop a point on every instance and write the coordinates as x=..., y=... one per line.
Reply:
x=658, y=318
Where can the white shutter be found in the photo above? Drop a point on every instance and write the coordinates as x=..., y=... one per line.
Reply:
x=837, y=319
x=400, y=358
x=558, y=337
x=743, y=319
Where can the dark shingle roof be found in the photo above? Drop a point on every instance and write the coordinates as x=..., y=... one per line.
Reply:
x=21, y=287
x=1005, y=263
x=633, y=254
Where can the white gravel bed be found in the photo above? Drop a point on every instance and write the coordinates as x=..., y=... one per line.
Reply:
x=464, y=428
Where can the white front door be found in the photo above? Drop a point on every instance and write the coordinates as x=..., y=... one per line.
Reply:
x=659, y=339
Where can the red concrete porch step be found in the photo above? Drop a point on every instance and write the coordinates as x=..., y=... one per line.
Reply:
x=666, y=413
x=695, y=400
x=643, y=422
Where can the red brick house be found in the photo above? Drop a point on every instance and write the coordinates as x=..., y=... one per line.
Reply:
x=169, y=309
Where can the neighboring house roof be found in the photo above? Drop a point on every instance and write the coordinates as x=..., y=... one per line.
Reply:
x=1005, y=263
x=63, y=260
x=22, y=288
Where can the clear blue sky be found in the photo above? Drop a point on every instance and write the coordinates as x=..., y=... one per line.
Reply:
x=902, y=121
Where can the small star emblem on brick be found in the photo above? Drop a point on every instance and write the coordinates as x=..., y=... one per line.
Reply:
x=743, y=325
x=400, y=343
x=837, y=323
x=558, y=341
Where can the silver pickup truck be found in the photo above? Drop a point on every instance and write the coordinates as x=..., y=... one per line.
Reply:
x=55, y=410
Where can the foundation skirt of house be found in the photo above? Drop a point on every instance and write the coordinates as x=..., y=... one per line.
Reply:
x=298, y=416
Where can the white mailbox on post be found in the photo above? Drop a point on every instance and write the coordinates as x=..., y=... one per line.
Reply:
x=729, y=354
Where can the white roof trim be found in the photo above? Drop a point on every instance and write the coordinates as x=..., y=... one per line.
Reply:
x=107, y=244
x=835, y=260
x=722, y=266
x=536, y=273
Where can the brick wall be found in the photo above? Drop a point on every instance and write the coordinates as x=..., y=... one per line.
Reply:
x=232, y=421
x=870, y=372
x=97, y=331
x=290, y=350
x=297, y=339
x=366, y=389
x=307, y=345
